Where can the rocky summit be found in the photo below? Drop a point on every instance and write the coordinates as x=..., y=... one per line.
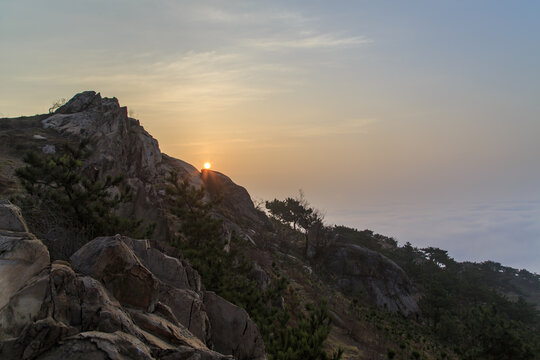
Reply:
x=214, y=276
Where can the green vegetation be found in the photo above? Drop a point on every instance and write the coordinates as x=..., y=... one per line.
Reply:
x=402, y=337
x=466, y=312
x=287, y=334
x=463, y=303
x=298, y=213
x=293, y=211
x=60, y=198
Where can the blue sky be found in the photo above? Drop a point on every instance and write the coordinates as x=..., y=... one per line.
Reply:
x=404, y=117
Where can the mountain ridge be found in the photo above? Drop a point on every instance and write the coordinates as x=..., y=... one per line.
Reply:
x=357, y=266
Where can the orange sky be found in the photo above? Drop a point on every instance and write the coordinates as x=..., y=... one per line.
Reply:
x=418, y=108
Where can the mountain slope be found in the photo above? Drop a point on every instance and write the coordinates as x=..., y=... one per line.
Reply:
x=371, y=285
x=119, y=298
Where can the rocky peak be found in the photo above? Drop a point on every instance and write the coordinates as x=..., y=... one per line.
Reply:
x=123, y=147
x=80, y=102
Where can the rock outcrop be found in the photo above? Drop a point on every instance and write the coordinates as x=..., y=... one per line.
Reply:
x=109, y=304
x=233, y=331
x=22, y=259
x=234, y=199
x=11, y=219
x=112, y=262
x=363, y=272
x=125, y=148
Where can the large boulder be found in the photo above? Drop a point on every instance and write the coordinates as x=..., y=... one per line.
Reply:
x=95, y=345
x=233, y=332
x=213, y=320
x=22, y=259
x=38, y=337
x=172, y=271
x=59, y=313
x=162, y=328
x=131, y=268
x=66, y=304
x=11, y=218
x=188, y=353
x=82, y=302
x=23, y=307
x=180, y=286
x=235, y=201
x=363, y=272
x=187, y=307
x=112, y=262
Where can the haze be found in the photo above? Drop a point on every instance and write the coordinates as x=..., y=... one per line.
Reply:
x=418, y=120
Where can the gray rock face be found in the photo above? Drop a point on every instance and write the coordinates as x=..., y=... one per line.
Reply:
x=364, y=272
x=235, y=199
x=123, y=264
x=111, y=309
x=121, y=141
x=125, y=148
x=180, y=286
x=171, y=271
x=233, y=332
x=187, y=306
x=22, y=256
x=112, y=262
x=83, y=302
x=23, y=307
x=79, y=102
x=11, y=218
x=98, y=345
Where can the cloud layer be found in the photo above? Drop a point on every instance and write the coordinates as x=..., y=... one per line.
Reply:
x=506, y=232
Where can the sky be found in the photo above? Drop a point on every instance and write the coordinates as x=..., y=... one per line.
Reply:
x=419, y=120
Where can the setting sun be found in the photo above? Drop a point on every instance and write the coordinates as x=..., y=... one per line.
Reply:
x=207, y=165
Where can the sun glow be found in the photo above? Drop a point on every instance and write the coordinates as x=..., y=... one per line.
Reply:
x=207, y=165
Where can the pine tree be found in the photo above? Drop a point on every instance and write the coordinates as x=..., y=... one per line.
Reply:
x=60, y=196
x=285, y=336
